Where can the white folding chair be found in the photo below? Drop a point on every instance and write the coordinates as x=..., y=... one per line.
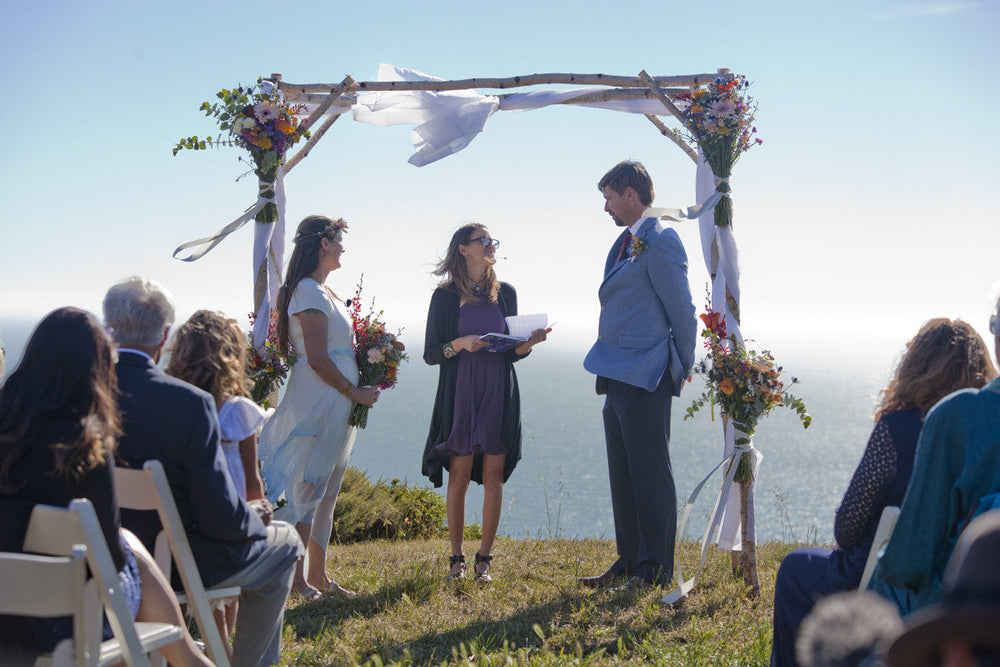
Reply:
x=148, y=489
x=55, y=531
x=882, y=534
x=50, y=587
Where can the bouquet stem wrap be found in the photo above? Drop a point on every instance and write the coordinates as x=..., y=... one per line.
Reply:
x=266, y=191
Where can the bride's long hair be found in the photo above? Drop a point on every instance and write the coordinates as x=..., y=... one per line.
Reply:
x=304, y=260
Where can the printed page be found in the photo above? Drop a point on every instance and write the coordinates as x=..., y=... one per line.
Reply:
x=521, y=326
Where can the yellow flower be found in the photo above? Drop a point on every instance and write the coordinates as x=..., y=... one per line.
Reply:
x=263, y=142
x=697, y=108
x=727, y=387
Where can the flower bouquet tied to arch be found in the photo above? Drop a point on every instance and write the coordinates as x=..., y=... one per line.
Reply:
x=719, y=119
x=377, y=351
x=255, y=118
x=745, y=383
x=266, y=367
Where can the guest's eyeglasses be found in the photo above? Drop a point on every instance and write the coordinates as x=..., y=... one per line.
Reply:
x=484, y=241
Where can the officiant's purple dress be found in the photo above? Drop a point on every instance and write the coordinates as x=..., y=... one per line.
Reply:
x=479, y=389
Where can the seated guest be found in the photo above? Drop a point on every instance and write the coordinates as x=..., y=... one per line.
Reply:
x=174, y=422
x=962, y=629
x=848, y=628
x=954, y=470
x=209, y=351
x=58, y=425
x=944, y=356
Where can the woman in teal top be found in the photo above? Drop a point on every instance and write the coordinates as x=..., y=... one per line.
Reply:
x=955, y=468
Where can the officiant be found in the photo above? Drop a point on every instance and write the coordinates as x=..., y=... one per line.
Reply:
x=475, y=430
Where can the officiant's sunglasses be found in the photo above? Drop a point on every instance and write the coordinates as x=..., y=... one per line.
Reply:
x=484, y=241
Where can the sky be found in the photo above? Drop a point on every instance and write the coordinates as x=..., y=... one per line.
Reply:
x=868, y=209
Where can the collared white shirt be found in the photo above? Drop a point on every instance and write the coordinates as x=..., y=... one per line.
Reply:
x=634, y=227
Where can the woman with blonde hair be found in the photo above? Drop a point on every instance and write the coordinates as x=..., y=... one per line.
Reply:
x=475, y=430
x=209, y=351
x=945, y=356
x=306, y=444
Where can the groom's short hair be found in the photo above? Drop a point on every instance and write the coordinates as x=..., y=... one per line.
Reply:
x=629, y=174
x=138, y=311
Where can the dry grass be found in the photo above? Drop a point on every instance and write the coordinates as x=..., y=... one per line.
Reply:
x=534, y=613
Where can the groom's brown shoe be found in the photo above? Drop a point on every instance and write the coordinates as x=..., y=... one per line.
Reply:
x=609, y=578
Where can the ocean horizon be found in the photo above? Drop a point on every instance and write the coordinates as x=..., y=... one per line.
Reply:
x=560, y=487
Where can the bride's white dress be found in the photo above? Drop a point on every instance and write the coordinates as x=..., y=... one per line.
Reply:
x=307, y=438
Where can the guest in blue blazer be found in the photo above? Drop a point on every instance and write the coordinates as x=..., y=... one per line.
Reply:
x=643, y=354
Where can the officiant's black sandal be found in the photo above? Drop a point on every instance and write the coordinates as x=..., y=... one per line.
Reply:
x=483, y=576
x=457, y=567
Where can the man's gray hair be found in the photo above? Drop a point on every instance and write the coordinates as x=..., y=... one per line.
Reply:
x=138, y=311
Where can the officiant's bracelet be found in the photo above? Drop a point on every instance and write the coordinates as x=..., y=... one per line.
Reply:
x=449, y=350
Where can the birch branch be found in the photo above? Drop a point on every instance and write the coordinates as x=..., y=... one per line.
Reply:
x=682, y=81
x=674, y=137
x=609, y=95
x=662, y=96
x=308, y=146
x=344, y=86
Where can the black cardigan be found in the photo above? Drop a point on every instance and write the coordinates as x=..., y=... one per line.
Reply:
x=442, y=327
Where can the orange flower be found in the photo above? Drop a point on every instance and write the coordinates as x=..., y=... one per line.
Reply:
x=727, y=387
x=284, y=126
x=714, y=322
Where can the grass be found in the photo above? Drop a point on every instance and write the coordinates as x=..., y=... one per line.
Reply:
x=534, y=612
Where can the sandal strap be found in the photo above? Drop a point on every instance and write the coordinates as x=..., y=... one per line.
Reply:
x=457, y=558
x=483, y=559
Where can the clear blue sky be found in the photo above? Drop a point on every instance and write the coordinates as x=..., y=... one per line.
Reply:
x=869, y=208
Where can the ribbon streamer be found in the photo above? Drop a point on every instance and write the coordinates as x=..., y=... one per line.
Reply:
x=684, y=587
x=690, y=213
x=217, y=238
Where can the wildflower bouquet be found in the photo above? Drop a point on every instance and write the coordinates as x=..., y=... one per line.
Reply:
x=746, y=383
x=377, y=351
x=719, y=118
x=258, y=120
x=265, y=366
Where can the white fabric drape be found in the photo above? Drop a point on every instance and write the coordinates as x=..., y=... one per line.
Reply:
x=446, y=121
x=727, y=277
x=268, y=252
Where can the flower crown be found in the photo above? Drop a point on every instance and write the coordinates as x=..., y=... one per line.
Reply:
x=338, y=225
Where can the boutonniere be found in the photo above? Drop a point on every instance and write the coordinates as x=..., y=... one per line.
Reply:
x=636, y=247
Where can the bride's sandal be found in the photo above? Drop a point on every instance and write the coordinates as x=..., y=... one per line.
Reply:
x=338, y=591
x=457, y=570
x=483, y=575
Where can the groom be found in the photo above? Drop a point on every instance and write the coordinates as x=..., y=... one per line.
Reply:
x=644, y=352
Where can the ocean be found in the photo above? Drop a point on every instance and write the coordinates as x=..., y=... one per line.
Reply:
x=560, y=487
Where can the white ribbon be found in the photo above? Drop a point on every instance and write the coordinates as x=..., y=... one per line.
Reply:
x=214, y=240
x=684, y=587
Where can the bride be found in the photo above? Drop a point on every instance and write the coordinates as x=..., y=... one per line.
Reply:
x=306, y=445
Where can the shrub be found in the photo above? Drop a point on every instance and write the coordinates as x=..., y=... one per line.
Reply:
x=369, y=510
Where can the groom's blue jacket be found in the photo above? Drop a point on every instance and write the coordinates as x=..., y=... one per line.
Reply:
x=647, y=325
